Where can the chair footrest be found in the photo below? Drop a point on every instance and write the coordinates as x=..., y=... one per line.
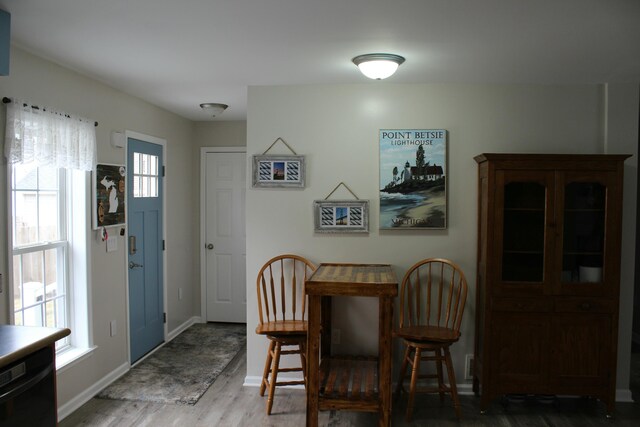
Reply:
x=433, y=390
x=290, y=383
x=290, y=352
x=288, y=370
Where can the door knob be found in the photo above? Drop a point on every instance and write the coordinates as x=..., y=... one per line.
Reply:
x=134, y=265
x=210, y=246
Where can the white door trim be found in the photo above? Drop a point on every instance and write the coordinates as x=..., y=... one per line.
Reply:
x=163, y=143
x=203, y=224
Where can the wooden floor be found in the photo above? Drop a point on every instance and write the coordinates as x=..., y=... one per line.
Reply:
x=228, y=403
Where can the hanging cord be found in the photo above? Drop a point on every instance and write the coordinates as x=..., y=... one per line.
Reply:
x=6, y=100
x=274, y=143
x=345, y=186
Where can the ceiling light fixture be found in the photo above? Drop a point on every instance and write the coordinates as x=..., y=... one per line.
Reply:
x=213, y=108
x=378, y=66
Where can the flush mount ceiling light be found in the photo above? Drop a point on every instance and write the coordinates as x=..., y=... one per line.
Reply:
x=213, y=108
x=378, y=66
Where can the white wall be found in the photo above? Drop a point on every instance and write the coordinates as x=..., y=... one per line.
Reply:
x=621, y=136
x=46, y=84
x=336, y=128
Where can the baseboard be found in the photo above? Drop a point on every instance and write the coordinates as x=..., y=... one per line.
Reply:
x=251, y=381
x=624, y=395
x=177, y=331
x=465, y=389
x=82, y=398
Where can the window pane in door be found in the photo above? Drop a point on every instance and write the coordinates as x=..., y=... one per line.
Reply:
x=145, y=186
x=153, y=187
x=153, y=165
x=137, y=162
x=145, y=175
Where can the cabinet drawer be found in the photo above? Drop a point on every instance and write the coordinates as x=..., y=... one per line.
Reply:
x=584, y=305
x=521, y=304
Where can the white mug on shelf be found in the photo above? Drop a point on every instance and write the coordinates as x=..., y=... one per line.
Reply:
x=590, y=274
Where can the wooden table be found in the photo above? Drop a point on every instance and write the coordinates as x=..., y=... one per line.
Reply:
x=357, y=383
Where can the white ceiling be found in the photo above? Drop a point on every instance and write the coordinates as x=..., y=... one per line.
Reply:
x=177, y=54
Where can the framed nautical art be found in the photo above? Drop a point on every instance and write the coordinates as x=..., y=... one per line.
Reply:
x=341, y=216
x=413, y=176
x=278, y=171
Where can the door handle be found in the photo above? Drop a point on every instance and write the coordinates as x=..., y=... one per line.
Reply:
x=210, y=246
x=134, y=265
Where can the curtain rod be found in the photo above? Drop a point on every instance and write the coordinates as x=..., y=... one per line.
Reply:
x=6, y=100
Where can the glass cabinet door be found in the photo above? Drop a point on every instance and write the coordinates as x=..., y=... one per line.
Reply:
x=523, y=236
x=525, y=203
x=584, y=206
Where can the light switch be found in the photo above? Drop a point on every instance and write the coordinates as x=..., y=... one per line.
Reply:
x=112, y=244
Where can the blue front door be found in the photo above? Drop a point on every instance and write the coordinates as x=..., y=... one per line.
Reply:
x=144, y=217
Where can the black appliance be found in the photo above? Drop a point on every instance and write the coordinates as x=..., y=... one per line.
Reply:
x=27, y=391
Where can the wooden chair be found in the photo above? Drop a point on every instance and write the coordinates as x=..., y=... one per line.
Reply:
x=281, y=307
x=432, y=299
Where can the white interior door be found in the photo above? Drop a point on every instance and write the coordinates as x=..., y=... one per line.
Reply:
x=224, y=178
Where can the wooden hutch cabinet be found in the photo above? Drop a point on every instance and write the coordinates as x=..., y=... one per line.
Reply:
x=548, y=281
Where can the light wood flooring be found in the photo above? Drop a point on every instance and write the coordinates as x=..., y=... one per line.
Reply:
x=228, y=403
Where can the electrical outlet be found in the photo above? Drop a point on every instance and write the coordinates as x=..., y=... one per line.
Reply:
x=468, y=367
x=335, y=336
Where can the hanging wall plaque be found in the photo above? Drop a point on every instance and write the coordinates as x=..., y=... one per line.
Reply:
x=341, y=216
x=278, y=171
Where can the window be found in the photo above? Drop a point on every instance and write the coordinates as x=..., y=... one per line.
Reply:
x=40, y=247
x=145, y=175
x=48, y=234
x=49, y=153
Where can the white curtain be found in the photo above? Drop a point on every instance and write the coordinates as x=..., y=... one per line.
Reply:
x=49, y=137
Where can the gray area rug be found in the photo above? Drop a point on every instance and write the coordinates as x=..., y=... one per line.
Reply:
x=183, y=369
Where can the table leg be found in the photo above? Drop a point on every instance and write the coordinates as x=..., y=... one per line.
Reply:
x=384, y=361
x=325, y=331
x=313, y=360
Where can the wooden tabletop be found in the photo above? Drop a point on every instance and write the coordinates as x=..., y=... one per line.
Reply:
x=353, y=279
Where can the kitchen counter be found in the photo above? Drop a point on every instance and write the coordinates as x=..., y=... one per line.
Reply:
x=28, y=375
x=17, y=342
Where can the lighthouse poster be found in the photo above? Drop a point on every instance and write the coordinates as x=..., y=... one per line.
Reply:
x=413, y=174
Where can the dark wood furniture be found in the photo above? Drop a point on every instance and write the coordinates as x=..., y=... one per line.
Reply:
x=549, y=231
x=27, y=375
x=432, y=300
x=356, y=383
x=281, y=311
